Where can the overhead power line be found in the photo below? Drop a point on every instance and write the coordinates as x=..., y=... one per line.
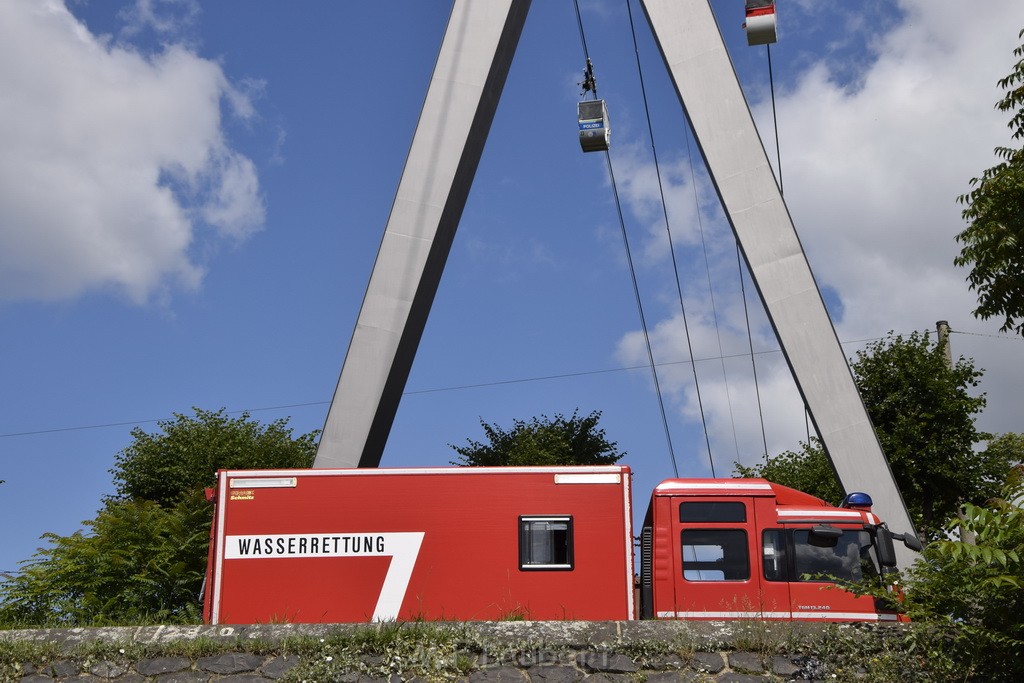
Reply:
x=132, y=423
x=1005, y=337
x=434, y=390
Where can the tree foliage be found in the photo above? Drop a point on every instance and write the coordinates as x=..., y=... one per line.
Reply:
x=186, y=454
x=998, y=548
x=924, y=413
x=975, y=591
x=806, y=470
x=542, y=441
x=143, y=557
x=993, y=242
x=137, y=562
x=965, y=599
x=1005, y=448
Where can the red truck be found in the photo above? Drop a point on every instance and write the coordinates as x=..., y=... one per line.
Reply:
x=488, y=543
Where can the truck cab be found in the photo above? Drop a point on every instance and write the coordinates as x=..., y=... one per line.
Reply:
x=749, y=548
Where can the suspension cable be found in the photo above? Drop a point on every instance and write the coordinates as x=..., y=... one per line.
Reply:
x=672, y=250
x=579, y=22
x=739, y=268
x=775, y=119
x=750, y=342
x=778, y=161
x=643, y=319
x=632, y=274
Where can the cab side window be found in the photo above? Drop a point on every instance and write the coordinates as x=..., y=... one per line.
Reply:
x=715, y=555
x=712, y=511
x=793, y=555
x=848, y=558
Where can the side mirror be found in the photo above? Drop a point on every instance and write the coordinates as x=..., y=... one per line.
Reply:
x=885, y=548
x=911, y=541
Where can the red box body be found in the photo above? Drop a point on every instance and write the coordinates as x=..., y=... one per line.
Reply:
x=460, y=543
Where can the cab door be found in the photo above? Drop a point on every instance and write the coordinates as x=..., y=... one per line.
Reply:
x=717, y=561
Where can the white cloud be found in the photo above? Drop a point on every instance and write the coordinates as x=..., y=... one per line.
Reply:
x=873, y=184
x=165, y=17
x=872, y=174
x=115, y=164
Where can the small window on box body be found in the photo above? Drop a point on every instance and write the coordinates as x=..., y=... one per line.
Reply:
x=545, y=543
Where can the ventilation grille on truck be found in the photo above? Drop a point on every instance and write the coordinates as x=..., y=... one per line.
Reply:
x=646, y=573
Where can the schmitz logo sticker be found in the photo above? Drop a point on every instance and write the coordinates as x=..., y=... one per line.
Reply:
x=402, y=547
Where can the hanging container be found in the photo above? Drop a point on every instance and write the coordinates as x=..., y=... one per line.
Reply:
x=594, y=130
x=760, y=24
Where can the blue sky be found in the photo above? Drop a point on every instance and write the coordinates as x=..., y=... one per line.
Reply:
x=192, y=196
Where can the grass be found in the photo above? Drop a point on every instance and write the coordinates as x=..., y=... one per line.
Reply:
x=444, y=651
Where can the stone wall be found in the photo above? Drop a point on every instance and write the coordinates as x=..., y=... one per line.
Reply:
x=501, y=652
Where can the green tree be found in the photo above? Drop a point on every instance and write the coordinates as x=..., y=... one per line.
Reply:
x=924, y=414
x=542, y=441
x=187, y=453
x=143, y=557
x=993, y=242
x=977, y=588
x=137, y=563
x=965, y=599
x=1005, y=448
x=806, y=470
